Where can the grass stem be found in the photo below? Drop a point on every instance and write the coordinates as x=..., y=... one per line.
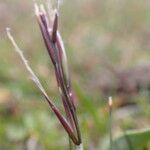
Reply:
x=110, y=123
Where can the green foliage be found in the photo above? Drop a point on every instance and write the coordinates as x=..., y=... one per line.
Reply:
x=129, y=140
x=38, y=124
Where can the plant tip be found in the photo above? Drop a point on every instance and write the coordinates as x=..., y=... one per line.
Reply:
x=36, y=8
x=8, y=30
x=110, y=101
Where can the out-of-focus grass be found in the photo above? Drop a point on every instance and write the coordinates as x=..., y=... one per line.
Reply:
x=94, y=31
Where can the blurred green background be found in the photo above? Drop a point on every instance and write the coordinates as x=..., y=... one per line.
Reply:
x=108, y=48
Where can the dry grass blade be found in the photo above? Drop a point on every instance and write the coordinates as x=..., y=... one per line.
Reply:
x=32, y=74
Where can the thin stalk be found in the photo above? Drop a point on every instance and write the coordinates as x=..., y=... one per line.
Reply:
x=110, y=123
